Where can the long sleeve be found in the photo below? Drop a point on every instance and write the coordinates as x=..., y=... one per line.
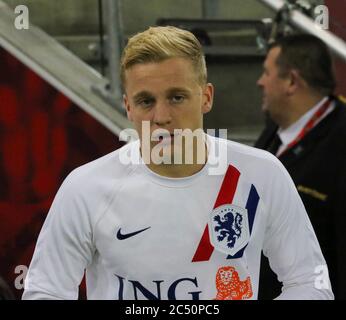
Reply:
x=290, y=243
x=63, y=250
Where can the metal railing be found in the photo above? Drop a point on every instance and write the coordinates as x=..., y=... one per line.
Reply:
x=60, y=68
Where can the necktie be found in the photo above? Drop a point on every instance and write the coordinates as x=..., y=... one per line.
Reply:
x=275, y=144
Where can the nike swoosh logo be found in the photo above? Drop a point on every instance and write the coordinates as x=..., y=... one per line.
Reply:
x=123, y=236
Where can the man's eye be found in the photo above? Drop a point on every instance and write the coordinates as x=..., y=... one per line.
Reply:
x=145, y=103
x=177, y=99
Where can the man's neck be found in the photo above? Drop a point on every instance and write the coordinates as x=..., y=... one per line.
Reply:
x=176, y=170
x=298, y=107
x=180, y=170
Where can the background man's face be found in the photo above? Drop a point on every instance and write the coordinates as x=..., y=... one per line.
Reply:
x=273, y=86
x=167, y=95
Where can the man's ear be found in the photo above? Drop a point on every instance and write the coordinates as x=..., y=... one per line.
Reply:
x=295, y=81
x=208, y=97
x=127, y=107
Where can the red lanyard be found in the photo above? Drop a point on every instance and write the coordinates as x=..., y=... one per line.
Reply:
x=311, y=123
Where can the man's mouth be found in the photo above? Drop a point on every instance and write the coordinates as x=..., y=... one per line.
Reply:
x=166, y=139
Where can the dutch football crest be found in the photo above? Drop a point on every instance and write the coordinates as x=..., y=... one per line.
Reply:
x=229, y=228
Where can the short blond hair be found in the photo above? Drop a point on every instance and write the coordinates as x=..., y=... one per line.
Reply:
x=160, y=43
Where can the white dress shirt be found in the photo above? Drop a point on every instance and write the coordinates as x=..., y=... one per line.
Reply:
x=289, y=134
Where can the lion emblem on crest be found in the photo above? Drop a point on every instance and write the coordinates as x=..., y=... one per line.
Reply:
x=229, y=226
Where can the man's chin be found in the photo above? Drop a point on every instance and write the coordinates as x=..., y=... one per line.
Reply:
x=264, y=107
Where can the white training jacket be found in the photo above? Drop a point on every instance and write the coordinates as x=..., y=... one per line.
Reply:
x=139, y=235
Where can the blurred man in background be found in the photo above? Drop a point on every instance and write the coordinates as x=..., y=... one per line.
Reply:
x=307, y=132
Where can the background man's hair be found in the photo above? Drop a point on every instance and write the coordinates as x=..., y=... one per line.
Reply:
x=160, y=43
x=310, y=57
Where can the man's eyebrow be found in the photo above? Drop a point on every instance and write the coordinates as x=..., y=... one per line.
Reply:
x=142, y=94
x=178, y=89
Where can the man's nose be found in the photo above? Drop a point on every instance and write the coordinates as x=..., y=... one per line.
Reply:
x=162, y=114
x=260, y=81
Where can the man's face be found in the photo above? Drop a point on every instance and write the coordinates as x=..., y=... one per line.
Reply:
x=167, y=95
x=274, y=87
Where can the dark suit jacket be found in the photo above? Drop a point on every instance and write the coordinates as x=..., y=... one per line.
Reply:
x=317, y=165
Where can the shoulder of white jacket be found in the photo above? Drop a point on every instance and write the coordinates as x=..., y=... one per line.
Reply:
x=243, y=150
x=105, y=166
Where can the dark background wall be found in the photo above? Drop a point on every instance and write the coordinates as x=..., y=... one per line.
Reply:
x=337, y=11
x=43, y=136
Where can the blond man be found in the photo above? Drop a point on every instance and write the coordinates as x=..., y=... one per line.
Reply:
x=163, y=224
